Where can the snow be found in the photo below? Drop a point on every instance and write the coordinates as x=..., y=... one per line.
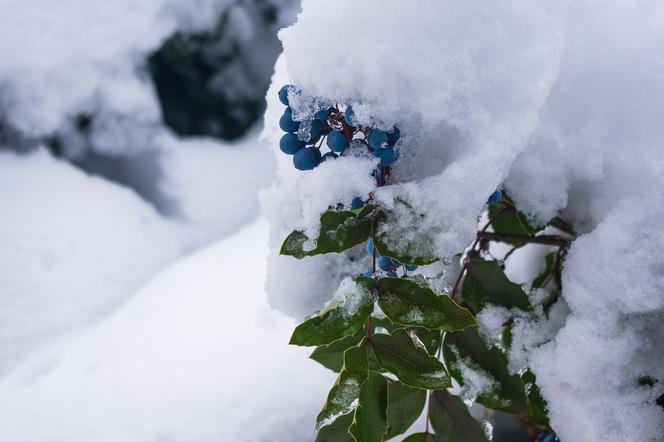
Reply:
x=195, y=355
x=350, y=297
x=61, y=265
x=562, y=103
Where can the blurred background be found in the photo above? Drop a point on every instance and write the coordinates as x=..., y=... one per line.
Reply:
x=133, y=256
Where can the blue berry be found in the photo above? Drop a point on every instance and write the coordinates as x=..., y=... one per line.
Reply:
x=306, y=158
x=495, y=197
x=410, y=267
x=385, y=263
x=387, y=155
x=290, y=143
x=349, y=116
x=393, y=137
x=368, y=274
x=286, y=122
x=357, y=203
x=329, y=156
x=391, y=274
x=283, y=93
x=377, y=139
x=316, y=129
x=337, y=141
x=322, y=114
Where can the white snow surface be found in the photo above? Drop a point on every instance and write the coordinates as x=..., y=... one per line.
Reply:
x=195, y=355
x=563, y=103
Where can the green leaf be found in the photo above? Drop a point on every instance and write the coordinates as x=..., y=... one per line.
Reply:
x=510, y=221
x=337, y=431
x=332, y=355
x=468, y=347
x=421, y=437
x=486, y=284
x=370, y=423
x=452, y=421
x=430, y=338
x=413, y=366
x=345, y=395
x=549, y=268
x=347, y=312
x=404, y=406
x=537, y=406
x=409, y=257
x=339, y=230
x=411, y=302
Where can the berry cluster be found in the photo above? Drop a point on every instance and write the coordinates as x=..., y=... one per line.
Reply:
x=344, y=136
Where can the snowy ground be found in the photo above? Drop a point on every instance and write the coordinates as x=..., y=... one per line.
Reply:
x=194, y=355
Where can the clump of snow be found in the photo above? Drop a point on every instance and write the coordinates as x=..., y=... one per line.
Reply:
x=349, y=297
x=476, y=381
x=322, y=188
x=562, y=102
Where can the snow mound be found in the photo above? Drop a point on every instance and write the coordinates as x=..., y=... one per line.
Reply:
x=195, y=355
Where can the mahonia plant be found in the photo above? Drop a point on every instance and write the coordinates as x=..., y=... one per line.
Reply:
x=396, y=343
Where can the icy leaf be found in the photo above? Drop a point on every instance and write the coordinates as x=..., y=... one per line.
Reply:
x=485, y=283
x=337, y=431
x=507, y=393
x=339, y=231
x=404, y=406
x=452, y=421
x=370, y=422
x=413, y=366
x=537, y=407
x=410, y=303
x=344, y=397
x=404, y=258
x=342, y=316
x=511, y=221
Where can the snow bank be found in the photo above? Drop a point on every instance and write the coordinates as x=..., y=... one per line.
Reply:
x=74, y=246
x=563, y=103
x=196, y=355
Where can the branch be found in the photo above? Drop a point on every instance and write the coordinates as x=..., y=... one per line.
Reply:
x=562, y=225
x=550, y=240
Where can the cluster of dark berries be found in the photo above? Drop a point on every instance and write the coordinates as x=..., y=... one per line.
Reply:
x=304, y=139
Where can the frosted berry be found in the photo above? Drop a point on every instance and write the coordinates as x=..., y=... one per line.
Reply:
x=385, y=263
x=286, y=122
x=290, y=143
x=377, y=139
x=306, y=158
x=387, y=155
x=357, y=203
x=495, y=197
x=349, y=116
x=391, y=274
x=337, y=141
x=322, y=114
x=283, y=93
x=393, y=136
